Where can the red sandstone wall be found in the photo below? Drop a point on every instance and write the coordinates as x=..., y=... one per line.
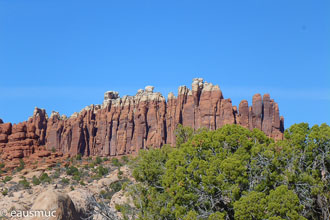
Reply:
x=125, y=125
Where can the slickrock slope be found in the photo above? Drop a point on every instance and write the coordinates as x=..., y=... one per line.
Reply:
x=125, y=125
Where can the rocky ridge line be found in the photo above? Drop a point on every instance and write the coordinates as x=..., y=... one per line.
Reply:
x=124, y=125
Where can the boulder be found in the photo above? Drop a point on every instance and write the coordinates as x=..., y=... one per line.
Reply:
x=81, y=199
x=61, y=203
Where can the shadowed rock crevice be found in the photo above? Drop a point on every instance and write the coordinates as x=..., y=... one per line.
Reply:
x=125, y=125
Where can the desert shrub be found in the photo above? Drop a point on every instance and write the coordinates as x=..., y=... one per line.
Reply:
x=120, y=174
x=118, y=185
x=116, y=162
x=7, y=179
x=57, y=174
x=21, y=165
x=4, y=192
x=44, y=178
x=35, y=180
x=101, y=171
x=125, y=159
x=98, y=160
x=65, y=181
x=72, y=170
x=78, y=157
x=24, y=183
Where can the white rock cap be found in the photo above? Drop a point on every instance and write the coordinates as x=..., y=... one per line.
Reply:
x=149, y=89
x=111, y=95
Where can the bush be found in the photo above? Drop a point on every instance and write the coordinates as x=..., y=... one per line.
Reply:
x=24, y=183
x=76, y=178
x=5, y=192
x=57, y=174
x=116, y=162
x=101, y=171
x=125, y=159
x=7, y=179
x=120, y=174
x=98, y=160
x=78, y=157
x=2, y=165
x=35, y=180
x=65, y=181
x=105, y=194
x=72, y=170
x=117, y=185
x=44, y=178
x=21, y=165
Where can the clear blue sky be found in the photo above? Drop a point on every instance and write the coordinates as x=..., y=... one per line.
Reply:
x=63, y=55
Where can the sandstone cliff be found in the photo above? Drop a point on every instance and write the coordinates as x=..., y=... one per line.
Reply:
x=124, y=125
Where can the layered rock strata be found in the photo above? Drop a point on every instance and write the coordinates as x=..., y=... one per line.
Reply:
x=124, y=125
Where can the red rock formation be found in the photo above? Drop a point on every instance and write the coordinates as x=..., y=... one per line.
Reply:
x=125, y=125
x=21, y=140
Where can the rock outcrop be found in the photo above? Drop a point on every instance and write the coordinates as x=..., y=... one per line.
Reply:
x=22, y=140
x=124, y=125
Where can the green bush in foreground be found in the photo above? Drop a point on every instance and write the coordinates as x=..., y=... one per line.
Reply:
x=235, y=173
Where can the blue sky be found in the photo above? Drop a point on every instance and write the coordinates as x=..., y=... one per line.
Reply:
x=63, y=55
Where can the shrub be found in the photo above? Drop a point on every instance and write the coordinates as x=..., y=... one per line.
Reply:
x=72, y=170
x=76, y=178
x=65, y=181
x=116, y=186
x=56, y=174
x=101, y=171
x=24, y=183
x=116, y=162
x=35, y=180
x=98, y=160
x=78, y=157
x=44, y=178
x=5, y=192
x=21, y=165
x=125, y=159
x=106, y=194
x=7, y=179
